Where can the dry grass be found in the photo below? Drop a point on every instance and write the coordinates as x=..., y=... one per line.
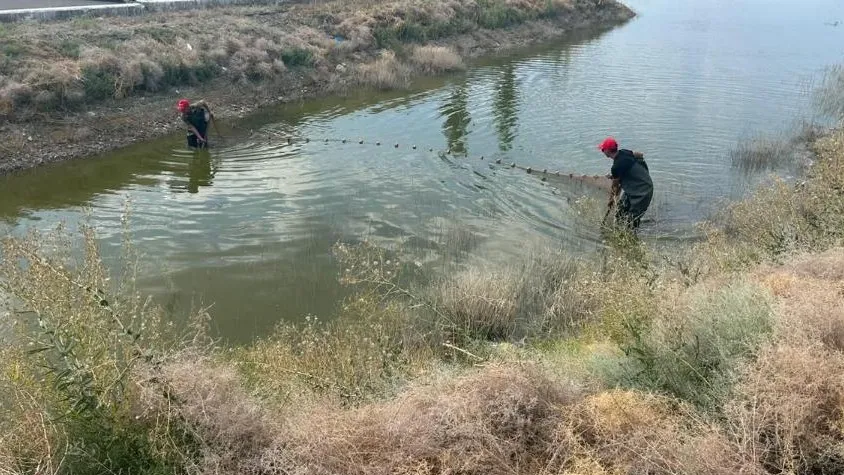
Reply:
x=231, y=430
x=829, y=97
x=766, y=153
x=809, y=289
x=494, y=421
x=436, y=60
x=636, y=433
x=30, y=442
x=350, y=361
x=540, y=295
x=386, y=72
x=781, y=219
x=482, y=303
x=788, y=409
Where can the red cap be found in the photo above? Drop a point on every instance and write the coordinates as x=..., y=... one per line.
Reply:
x=183, y=105
x=608, y=145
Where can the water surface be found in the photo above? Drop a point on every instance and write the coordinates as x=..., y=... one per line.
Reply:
x=249, y=225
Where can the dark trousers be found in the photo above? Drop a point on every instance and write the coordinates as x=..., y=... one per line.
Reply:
x=193, y=141
x=629, y=214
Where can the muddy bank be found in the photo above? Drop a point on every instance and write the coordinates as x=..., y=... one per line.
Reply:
x=376, y=47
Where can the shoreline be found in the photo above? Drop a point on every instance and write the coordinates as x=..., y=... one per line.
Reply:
x=38, y=138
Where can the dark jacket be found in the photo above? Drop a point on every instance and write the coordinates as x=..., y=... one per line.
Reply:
x=197, y=117
x=635, y=179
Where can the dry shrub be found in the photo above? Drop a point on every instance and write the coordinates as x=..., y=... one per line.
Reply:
x=783, y=218
x=386, y=72
x=60, y=78
x=636, y=433
x=829, y=97
x=495, y=421
x=533, y=297
x=360, y=356
x=230, y=427
x=769, y=219
x=828, y=265
x=15, y=94
x=481, y=303
x=436, y=59
x=74, y=348
x=357, y=36
x=787, y=412
x=811, y=306
x=576, y=302
x=29, y=437
x=251, y=63
x=622, y=297
x=99, y=58
x=696, y=341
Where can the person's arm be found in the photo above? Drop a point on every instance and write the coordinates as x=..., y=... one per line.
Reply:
x=193, y=130
x=615, y=190
x=199, y=136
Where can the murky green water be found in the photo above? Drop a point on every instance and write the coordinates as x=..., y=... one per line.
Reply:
x=249, y=225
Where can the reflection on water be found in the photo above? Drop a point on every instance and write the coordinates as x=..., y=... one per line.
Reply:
x=506, y=107
x=199, y=171
x=457, y=119
x=248, y=225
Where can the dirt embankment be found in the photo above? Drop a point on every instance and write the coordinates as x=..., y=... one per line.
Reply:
x=81, y=87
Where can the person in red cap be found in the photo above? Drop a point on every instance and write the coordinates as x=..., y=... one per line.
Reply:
x=629, y=174
x=196, y=116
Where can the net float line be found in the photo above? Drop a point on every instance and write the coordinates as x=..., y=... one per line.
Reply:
x=557, y=176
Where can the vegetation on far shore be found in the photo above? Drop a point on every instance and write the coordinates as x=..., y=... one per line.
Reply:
x=70, y=64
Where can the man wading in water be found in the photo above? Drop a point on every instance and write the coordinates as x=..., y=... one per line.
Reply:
x=197, y=116
x=630, y=174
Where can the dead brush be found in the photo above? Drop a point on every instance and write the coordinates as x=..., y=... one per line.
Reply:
x=348, y=362
x=494, y=421
x=30, y=440
x=228, y=427
x=530, y=298
x=811, y=307
x=481, y=304
x=639, y=433
x=787, y=412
